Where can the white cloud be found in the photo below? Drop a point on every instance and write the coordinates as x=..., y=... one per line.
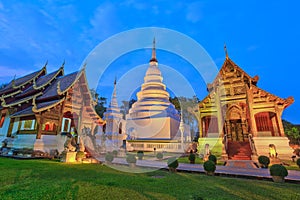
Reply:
x=194, y=12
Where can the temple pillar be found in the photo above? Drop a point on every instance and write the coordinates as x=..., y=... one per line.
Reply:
x=39, y=122
x=278, y=112
x=252, y=122
x=219, y=112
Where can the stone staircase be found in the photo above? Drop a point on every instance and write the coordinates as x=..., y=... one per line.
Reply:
x=239, y=150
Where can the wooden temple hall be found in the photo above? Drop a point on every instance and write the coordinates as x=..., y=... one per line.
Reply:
x=246, y=118
x=37, y=108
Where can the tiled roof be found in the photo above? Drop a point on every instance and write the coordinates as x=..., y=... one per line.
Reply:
x=20, y=81
x=46, y=104
x=26, y=111
x=64, y=82
x=39, y=83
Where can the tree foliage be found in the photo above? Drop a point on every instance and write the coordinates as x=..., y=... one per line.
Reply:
x=292, y=132
x=190, y=112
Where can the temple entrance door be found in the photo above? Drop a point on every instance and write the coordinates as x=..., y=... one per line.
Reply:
x=236, y=130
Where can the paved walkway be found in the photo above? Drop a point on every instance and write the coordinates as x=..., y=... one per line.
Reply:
x=247, y=172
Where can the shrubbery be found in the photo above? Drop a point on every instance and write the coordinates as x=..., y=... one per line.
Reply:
x=159, y=155
x=209, y=166
x=115, y=153
x=131, y=158
x=298, y=162
x=172, y=162
x=192, y=158
x=213, y=158
x=264, y=161
x=140, y=155
x=278, y=170
x=109, y=157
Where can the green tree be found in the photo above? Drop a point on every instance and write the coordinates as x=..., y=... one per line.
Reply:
x=292, y=131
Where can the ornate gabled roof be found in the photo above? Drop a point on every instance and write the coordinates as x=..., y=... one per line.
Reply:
x=26, y=112
x=41, y=83
x=19, y=101
x=230, y=66
x=59, y=86
x=273, y=98
x=22, y=81
x=38, y=107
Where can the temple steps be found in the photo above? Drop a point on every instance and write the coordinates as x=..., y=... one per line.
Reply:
x=239, y=150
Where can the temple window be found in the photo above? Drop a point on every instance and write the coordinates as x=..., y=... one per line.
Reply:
x=28, y=124
x=2, y=120
x=48, y=126
x=66, y=125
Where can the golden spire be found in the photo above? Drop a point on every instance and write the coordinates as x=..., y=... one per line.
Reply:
x=153, y=58
x=225, y=49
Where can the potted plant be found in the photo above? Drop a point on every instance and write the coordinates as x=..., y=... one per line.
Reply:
x=298, y=162
x=278, y=172
x=80, y=155
x=264, y=161
x=192, y=158
x=172, y=164
x=140, y=155
x=212, y=158
x=109, y=157
x=115, y=153
x=131, y=160
x=209, y=167
x=159, y=156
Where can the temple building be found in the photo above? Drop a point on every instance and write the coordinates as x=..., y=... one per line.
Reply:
x=38, y=107
x=153, y=122
x=240, y=118
x=115, y=124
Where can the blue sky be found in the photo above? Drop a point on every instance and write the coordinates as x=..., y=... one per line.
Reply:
x=262, y=37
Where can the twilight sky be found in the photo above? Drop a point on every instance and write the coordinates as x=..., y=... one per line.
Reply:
x=262, y=37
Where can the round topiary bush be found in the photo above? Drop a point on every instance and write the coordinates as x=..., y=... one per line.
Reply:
x=264, y=161
x=172, y=162
x=131, y=158
x=298, y=162
x=140, y=155
x=213, y=158
x=115, y=153
x=209, y=166
x=159, y=155
x=278, y=170
x=192, y=158
x=109, y=157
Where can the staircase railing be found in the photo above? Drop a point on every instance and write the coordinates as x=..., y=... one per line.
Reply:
x=252, y=145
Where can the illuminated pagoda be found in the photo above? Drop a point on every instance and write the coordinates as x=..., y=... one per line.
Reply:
x=153, y=122
x=241, y=117
x=38, y=107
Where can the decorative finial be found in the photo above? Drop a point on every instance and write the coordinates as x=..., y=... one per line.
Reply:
x=46, y=63
x=115, y=82
x=63, y=64
x=153, y=58
x=13, y=81
x=225, y=49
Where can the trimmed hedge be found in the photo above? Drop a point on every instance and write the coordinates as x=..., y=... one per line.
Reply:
x=159, y=155
x=131, y=158
x=278, y=170
x=212, y=158
x=140, y=155
x=173, y=162
x=109, y=157
x=298, y=162
x=209, y=166
x=264, y=161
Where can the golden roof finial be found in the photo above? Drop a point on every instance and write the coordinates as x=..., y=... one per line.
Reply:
x=226, y=52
